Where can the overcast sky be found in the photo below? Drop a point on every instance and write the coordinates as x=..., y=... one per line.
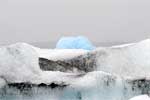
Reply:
x=99, y=20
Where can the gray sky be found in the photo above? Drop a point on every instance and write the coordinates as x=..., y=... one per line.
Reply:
x=48, y=20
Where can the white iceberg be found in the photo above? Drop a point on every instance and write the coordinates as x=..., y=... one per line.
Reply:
x=121, y=72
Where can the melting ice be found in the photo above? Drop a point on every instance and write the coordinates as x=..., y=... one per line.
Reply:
x=112, y=73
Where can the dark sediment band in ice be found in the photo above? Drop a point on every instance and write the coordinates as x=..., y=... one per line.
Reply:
x=83, y=63
x=103, y=86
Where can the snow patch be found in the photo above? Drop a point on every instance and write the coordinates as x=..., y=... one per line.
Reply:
x=60, y=54
x=141, y=97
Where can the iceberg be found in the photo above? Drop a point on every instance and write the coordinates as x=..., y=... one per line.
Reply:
x=126, y=60
x=79, y=42
x=106, y=73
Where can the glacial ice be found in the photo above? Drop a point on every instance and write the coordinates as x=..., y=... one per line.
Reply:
x=79, y=42
x=18, y=63
x=121, y=73
x=141, y=97
x=59, y=54
x=127, y=60
x=122, y=60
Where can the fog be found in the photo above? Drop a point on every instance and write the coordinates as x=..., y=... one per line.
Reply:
x=100, y=20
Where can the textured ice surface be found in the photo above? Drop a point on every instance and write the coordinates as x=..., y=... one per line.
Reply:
x=115, y=77
x=125, y=60
x=59, y=54
x=79, y=42
x=141, y=97
x=18, y=63
x=129, y=60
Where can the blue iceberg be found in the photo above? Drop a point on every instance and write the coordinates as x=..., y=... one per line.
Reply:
x=79, y=42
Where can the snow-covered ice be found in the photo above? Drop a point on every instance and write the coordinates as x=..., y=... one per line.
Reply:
x=18, y=63
x=122, y=72
x=60, y=54
x=141, y=97
x=128, y=60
